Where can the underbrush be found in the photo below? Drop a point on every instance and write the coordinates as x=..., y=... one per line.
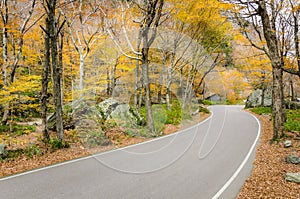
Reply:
x=262, y=110
x=292, y=123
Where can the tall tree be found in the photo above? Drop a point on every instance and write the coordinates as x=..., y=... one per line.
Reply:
x=23, y=28
x=149, y=14
x=52, y=22
x=4, y=17
x=45, y=81
x=264, y=17
x=152, y=12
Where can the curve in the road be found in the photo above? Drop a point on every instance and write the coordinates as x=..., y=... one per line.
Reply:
x=226, y=146
x=236, y=173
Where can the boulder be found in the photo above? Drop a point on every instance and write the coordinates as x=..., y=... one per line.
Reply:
x=3, y=151
x=106, y=107
x=255, y=98
x=292, y=159
x=128, y=115
x=287, y=143
x=88, y=118
x=292, y=177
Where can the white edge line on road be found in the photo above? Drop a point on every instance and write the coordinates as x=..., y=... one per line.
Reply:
x=227, y=184
x=103, y=153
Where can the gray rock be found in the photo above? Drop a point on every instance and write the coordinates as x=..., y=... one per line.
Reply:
x=287, y=143
x=3, y=151
x=88, y=118
x=255, y=98
x=129, y=116
x=292, y=159
x=106, y=107
x=292, y=177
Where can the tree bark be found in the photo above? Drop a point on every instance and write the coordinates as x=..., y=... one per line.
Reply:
x=152, y=11
x=278, y=111
x=4, y=16
x=169, y=79
x=263, y=88
x=292, y=90
x=45, y=81
x=81, y=72
x=161, y=78
x=145, y=72
x=56, y=70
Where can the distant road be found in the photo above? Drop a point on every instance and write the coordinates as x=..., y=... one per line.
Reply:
x=209, y=160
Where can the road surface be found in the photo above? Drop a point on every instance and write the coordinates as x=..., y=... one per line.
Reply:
x=209, y=160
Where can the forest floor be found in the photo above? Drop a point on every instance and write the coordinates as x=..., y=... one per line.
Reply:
x=267, y=177
x=41, y=155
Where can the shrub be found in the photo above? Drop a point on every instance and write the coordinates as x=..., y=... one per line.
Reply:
x=58, y=144
x=293, y=121
x=32, y=150
x=175, y=114
x=203, y=110
x=159, y=117
x=207, y=102
x=4, y=128
x=261, y=110
x=95, y=138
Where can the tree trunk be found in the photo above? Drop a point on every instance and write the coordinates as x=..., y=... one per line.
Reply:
x=81, y=72
x=56, y=70
x=292, y=90
x=263, y=88
x=136, y=85
x=108, y=83
x=60, y=62
x=4, y=42
x=140, y=91
x=277, y=105
x=16, y=61
x=45, y=80
x=278, y=110
x=113, y=77
x=161, y=78
x=137, y=89
x=145, y=71
x=5, y=56
x=169, y=80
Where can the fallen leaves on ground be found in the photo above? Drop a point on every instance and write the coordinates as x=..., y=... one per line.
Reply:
x=267, y=177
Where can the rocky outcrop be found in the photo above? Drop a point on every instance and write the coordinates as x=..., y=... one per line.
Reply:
x=292, y=177
x=255, y=98
x=89, y=119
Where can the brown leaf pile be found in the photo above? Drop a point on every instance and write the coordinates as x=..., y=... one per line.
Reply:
x=267, y=178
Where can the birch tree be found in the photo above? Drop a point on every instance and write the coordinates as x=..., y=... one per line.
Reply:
x=84, y=24
x=4, y=17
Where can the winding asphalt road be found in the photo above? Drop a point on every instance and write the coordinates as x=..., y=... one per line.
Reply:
x=209, y=160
